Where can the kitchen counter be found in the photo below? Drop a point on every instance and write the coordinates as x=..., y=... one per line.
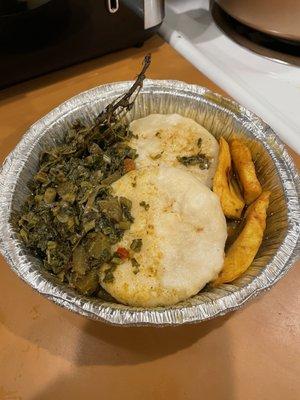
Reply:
x=47, y=352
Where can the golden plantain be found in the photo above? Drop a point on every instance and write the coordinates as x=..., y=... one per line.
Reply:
x=243, y=250
x=230, y=198
x=242, y=160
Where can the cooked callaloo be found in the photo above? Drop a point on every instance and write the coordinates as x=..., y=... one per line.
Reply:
x=197, y=159
x=72, y=220
x=128, y=210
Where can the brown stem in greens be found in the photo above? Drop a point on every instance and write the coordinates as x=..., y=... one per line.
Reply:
x=125, y=103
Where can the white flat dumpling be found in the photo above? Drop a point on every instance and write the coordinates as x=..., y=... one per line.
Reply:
x=183, y=232
x=160, y=138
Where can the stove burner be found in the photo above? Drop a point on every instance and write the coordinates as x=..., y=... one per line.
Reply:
x=269, y=46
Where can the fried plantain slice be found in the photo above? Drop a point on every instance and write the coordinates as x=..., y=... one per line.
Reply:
x=242, y=161
x=243, y=250
x=231, y=200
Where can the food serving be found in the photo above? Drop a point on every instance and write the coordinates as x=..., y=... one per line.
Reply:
x=140, y=210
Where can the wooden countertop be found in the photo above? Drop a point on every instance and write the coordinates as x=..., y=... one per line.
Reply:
x=50, y=353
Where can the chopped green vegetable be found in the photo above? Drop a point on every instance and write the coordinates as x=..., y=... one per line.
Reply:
x=67, y=191
x=126, y=205
x=89, y=225
x=41, y=177
x=124, y=225
x=108, y=274
x=80, y=260
x=87, y=284
x=49, y=195
x=135, y=266
x=51, y=245
x=98, y=245
x=199, y=159
x=136, y=245
x=24, y=235
x=111, y=208
x=116, y=259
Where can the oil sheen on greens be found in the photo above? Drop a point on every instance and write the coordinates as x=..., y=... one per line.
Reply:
x=71, y=219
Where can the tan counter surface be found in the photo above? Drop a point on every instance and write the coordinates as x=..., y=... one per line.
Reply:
x=50, y=353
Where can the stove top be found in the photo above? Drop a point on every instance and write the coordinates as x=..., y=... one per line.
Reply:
x=264, y=79
x=264, y=44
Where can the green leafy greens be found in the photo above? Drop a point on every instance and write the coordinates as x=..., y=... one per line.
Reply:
x=71, y=220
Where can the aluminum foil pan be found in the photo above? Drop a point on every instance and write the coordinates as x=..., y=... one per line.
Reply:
x=220, y=116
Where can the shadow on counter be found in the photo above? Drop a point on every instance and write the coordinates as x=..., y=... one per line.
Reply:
x=201, y=365
x=144, y=363
x=85, y=342
x=112, y=345
x=149, y=363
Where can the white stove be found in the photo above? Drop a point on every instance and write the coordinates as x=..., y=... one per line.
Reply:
x=269, y=88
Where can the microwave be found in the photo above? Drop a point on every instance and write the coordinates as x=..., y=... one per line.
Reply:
x=40, y=36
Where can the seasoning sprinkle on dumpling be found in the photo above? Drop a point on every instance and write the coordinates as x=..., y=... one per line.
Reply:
x=176, y=141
